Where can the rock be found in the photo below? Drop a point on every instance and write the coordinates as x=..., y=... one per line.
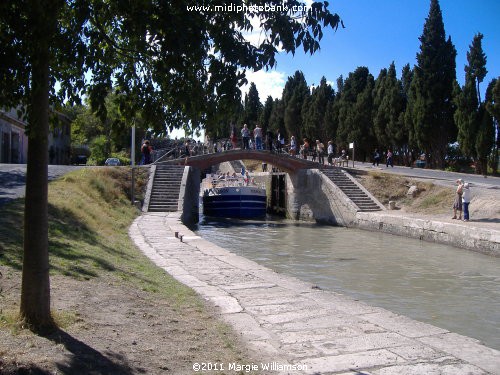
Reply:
x=392, y=205
x=413, y=190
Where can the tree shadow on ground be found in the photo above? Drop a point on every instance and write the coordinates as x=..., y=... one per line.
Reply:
x=87, y=360
x=14, y=368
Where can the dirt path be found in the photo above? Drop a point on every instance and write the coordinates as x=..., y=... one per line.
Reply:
x=113, y=329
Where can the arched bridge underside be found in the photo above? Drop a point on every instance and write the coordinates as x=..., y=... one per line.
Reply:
x=284, y=162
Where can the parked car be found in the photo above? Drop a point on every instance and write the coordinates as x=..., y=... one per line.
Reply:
x=79, y=159
x=112, y=162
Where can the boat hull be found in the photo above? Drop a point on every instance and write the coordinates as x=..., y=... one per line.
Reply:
x=235, y=202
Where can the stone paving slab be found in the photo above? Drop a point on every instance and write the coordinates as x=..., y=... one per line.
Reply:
x=292, y=323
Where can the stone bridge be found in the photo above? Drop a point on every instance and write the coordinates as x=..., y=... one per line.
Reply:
x=284, y=162
x=312, y=192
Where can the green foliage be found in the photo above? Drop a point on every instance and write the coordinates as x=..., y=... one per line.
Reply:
x=485, y=139
x=467, y=117
x=315, y=111
x=295, y=94
x=276, y=119
x=492, y=102
x=252, y=107
x=389, y=107
x=476, y=68
x=98, y=150
x=266, y=113
x=432, y=89
x=355, y=122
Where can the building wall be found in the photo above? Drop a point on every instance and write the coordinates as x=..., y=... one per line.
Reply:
x=14, y=142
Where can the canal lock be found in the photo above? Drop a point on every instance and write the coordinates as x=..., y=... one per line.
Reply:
x=276, y=197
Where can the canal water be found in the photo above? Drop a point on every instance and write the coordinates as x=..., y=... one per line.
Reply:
x=448, y=287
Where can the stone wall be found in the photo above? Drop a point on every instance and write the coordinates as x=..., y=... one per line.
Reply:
x=312, y=196
x=189, y=201
x=482, y=240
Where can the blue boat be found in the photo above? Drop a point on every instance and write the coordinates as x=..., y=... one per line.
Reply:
x=234, y=198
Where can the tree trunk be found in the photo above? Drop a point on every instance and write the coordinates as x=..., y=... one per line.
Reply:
x=35, y=293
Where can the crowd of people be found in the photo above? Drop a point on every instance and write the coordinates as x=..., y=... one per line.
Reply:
x=256, y=140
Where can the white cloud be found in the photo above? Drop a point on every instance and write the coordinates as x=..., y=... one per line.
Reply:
x=268, y=83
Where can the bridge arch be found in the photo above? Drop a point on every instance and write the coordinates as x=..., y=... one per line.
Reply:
x=284, y=162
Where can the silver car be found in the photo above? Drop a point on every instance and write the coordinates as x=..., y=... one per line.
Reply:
x=112, y=162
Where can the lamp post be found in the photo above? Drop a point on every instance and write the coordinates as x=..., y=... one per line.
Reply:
x=132, y=161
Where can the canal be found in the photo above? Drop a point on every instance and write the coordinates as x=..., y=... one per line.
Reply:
x=448, y=287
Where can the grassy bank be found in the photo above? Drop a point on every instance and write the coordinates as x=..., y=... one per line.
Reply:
x=106, y=294
x=428, y=198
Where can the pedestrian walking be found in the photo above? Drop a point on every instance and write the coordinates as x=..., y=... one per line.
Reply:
x=389, y=160
x=376, y=157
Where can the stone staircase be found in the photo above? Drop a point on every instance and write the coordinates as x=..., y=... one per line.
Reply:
x=166, y=186
x=349, y=188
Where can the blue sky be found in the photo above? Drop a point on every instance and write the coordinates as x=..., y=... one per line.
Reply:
x=381, y=31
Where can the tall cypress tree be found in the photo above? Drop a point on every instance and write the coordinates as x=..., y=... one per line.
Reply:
x=388, y=110
x=470, y=115
x=266, y=113
x=355, y=112
x=253, y=106
x=492, y=102
x=432, y=92
x=379, y=114
x=476, y=59
x=315, y=111
x=295, y=93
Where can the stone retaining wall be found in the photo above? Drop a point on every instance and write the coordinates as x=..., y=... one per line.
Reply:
x=486, y=241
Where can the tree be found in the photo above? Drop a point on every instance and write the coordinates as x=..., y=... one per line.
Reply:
x=492, y=102
x=389, y=108
x=265, y=116
x=470, y=115
x=315, y=110
x=295, y=93
x=253, y=106
x=432, y=89
x=485, y=139
x=476, y=68
x=178, y=72
x=276, y=119
x=355, y=112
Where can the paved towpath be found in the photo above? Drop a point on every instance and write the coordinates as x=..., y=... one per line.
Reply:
x=298, y=329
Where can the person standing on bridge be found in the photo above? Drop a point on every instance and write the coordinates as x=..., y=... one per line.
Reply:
x=245, y=134
x=320, y=149
x=331, y=152
x=293, y=146
x=257, y=134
